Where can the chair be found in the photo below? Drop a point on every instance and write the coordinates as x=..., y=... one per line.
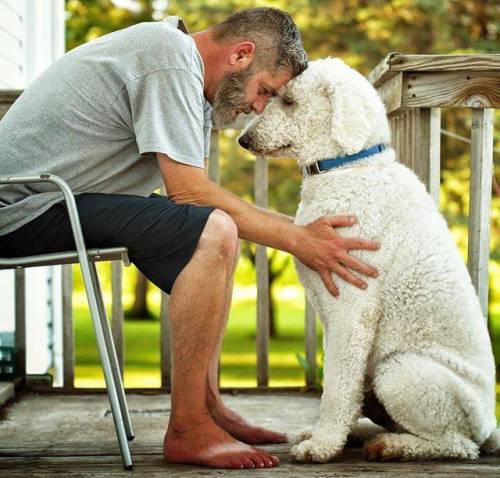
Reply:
x=87, y=259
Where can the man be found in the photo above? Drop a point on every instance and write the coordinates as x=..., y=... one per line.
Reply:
x=118, y=116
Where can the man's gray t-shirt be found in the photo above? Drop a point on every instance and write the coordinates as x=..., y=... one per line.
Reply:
x=99, y=113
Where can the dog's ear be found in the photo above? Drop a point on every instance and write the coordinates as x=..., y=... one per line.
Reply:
x=353, y=119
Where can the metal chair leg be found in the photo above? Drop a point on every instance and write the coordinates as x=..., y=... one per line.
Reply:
x=93, y=292
x=110, y=346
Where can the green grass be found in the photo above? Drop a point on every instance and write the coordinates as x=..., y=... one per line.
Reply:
x=238, y=359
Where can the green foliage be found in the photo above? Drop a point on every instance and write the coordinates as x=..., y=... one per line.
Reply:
x=315, y=378
x=361, y=32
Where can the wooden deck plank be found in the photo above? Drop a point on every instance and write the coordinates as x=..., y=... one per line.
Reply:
x=350, y=464
x=45, y=435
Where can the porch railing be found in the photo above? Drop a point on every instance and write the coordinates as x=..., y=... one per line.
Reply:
x=414, y=89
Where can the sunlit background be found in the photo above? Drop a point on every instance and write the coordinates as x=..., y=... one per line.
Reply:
x=362, y=32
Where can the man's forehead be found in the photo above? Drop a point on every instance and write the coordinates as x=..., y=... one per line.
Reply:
x=275, y=82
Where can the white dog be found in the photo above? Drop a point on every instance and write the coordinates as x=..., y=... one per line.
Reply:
x=412, y=351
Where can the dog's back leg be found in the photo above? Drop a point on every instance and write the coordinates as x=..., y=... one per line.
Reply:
x=420, y=395
x=404, y=446
x=363, y=431
x=492, y=445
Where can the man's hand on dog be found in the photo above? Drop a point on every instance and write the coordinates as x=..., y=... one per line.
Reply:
x=325, y=251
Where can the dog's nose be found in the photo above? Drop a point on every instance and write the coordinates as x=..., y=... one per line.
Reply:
x=244, y=141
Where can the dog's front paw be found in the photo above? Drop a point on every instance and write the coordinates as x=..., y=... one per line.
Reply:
x=315, y=451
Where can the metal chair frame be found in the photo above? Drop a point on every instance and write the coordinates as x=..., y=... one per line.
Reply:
x=86, y=259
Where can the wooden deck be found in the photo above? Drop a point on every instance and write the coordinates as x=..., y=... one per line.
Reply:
x=44, y=435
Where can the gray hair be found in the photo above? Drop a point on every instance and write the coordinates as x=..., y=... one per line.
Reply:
x=277, y=40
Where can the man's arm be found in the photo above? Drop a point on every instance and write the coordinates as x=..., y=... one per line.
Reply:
x=316, y=245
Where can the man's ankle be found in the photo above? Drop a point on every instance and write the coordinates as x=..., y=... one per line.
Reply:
x=214, y=400
x=188, y=419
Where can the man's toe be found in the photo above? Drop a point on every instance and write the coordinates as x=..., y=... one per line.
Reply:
x=247, y=462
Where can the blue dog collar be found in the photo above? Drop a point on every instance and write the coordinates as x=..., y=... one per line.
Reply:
x=326, y=164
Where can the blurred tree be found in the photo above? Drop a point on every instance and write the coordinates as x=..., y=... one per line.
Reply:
x=361, y=32
x=88, y=19
x=139, y=308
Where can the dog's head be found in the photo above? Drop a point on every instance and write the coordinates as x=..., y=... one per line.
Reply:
x=328, y=110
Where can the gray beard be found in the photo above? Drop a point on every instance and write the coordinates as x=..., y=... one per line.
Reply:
x=230, y=96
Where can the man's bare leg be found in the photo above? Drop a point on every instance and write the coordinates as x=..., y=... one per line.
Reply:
x=196, y=311
x=226, y=418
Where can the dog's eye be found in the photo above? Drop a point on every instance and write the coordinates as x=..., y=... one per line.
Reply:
x=286, y=101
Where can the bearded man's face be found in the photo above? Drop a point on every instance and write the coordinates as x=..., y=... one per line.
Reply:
x=230, y=97
x=244, y=91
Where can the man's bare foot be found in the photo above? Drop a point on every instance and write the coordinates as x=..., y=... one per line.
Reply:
x=242, y=430
x=201, y=442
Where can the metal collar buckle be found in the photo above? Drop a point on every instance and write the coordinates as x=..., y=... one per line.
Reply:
x=310, y=169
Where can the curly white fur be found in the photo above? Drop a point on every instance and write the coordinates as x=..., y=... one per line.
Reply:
x=416, y=335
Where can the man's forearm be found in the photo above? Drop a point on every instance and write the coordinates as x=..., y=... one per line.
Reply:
x=254, y=223
x=317, y=245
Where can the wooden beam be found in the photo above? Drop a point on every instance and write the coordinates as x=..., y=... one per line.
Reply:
x=383, y=71
x=397, y=62
x=480, y=202
x=165, y=357
x=412, y=135
x=165, y=352
x=446, y=62
x=117, y=312
x=394, y=123
x=311, y=345
x=20, y=323
x=67, y=326
x=391, y=93
x=433, y=153
x=428, y=161
x=478, y=89
x=214, y=157
x=405, y=141
x=262, y=267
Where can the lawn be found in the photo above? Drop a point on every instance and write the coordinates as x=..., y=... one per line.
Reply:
x=238, y=360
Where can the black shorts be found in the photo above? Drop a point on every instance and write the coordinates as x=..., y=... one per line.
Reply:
x=160, y=235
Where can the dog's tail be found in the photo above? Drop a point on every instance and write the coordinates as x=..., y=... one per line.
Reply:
x=492, y=445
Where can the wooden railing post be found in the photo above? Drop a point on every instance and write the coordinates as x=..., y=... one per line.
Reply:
x=311, y=346
x=262, y=267
x=67, y=327
x=165, y=351
x=427, y=149
x=117, y=312
x=214, y=158
x=20, y=323
x=480, y=201
x=165, y=357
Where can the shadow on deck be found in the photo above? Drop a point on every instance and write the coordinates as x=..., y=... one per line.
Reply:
x=44, y=435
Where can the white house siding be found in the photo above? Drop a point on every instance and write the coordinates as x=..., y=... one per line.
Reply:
x=31, y=38
x=11, y=43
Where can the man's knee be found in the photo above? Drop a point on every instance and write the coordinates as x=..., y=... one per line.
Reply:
x=220, y=236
